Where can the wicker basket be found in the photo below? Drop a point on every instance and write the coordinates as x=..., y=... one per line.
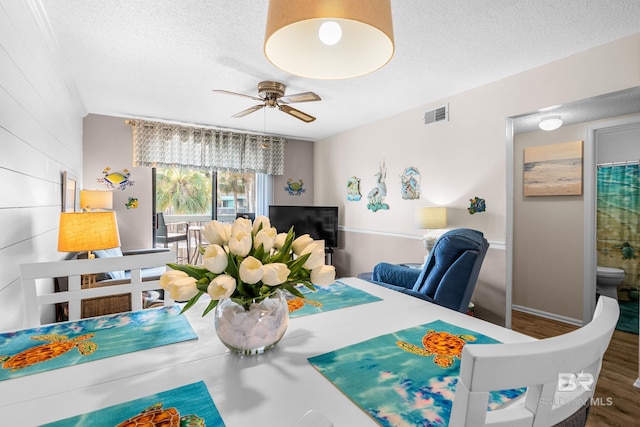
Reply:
x=98, y=306
x=106, y=305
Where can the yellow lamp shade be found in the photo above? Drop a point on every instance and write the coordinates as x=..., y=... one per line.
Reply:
x=431, y=217
x=329, y=39
x=87, y=231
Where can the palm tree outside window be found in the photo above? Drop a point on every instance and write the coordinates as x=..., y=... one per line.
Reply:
x=183, y=193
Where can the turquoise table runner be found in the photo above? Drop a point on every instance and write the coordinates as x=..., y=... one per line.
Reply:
x=407, y=377
x=326, y=298
x=58, y=345
x=189, y=403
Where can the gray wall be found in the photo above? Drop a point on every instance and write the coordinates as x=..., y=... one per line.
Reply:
x=548, y=237
x=107, y=142
x=40, y=137
x=298, y=164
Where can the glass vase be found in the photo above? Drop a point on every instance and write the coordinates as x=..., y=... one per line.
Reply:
x=255, y=330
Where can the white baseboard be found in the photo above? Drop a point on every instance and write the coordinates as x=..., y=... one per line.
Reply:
x=637, y=383
x=547, y=315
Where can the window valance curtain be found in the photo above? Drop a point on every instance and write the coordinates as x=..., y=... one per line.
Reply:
x=165, y=145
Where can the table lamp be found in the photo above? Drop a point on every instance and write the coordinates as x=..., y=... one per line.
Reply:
x=87, y=231
x=430, y=218
x=95, y=199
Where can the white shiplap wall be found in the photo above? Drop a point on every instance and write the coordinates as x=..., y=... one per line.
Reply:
x=40, y=137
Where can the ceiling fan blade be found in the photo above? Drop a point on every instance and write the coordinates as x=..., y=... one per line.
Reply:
x=300, y=97
x=296, y=113
x=226, y=92
x=248, y=111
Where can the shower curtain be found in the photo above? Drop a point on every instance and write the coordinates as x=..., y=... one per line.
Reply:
x=618, y=220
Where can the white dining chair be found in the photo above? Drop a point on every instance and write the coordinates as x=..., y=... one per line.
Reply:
x=36, y=293
x=560, y=375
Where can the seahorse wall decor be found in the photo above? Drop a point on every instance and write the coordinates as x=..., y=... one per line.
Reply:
x=410, y=181
x=378, y=193
x=353, y=189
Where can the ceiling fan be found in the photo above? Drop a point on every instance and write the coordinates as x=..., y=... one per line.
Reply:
x=271, y=94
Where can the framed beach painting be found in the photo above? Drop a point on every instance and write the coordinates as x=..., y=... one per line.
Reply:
x=553, y=170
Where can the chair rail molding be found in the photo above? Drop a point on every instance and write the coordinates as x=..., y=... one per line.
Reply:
x=493, y=245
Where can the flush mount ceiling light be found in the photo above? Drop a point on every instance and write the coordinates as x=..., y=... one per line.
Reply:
x=550, y=123
x=329, y=39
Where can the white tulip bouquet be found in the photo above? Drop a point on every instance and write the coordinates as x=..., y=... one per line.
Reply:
x=248, y=262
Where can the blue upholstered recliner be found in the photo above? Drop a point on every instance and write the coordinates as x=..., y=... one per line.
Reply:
x=449, y=275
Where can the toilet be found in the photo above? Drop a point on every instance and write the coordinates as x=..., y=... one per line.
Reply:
x=607, y=281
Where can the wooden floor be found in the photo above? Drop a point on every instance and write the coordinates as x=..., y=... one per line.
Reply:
x=616, y=401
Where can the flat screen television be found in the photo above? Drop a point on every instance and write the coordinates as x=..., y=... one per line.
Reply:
x=319, y=222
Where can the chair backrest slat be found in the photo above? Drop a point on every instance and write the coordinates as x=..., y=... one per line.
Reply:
x=34, y=298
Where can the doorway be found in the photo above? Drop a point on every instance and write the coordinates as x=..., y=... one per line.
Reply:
x=617, y=104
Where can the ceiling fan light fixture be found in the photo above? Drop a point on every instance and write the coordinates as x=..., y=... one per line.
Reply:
x=272, y=94
x=550, y=123
x=295, y=39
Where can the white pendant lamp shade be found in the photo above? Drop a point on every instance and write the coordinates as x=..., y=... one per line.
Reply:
x=329, y=39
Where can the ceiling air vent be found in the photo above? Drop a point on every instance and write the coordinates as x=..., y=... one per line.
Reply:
x=437, y=115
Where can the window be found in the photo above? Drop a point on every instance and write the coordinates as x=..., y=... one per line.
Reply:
x=188, y=194
x=236, y=193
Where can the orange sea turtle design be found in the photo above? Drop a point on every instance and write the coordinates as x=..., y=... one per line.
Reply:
x=445, y=346
x=155, y=416
x=296, y=303
x=59, y=345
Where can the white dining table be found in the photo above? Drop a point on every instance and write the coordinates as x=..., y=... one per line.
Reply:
x=273, y=389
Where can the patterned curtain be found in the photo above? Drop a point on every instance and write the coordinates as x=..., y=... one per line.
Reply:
x=166, y=145
x=618, y=223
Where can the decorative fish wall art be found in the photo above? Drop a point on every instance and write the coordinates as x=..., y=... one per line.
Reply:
x=477, y=205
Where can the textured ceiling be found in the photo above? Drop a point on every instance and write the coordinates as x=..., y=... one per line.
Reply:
x=160, y=59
